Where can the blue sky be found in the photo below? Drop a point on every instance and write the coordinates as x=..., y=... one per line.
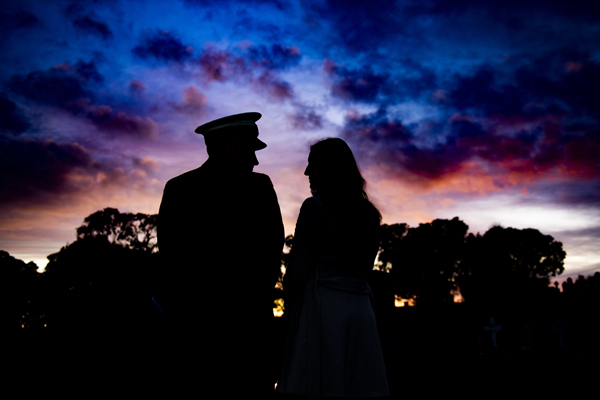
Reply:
x=483, y=110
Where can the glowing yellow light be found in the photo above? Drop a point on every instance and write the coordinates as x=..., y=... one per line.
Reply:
x=279, y=309
x=400, y=302
x=457, y=297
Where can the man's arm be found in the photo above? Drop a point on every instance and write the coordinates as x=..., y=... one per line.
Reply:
x=270, y=232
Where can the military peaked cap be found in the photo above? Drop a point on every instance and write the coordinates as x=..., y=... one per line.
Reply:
x=244, y=123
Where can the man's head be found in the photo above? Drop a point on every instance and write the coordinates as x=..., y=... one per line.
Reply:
x=233, y=140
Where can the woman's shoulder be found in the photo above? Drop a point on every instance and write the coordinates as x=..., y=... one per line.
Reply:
x=313, y=201
x=311, y=205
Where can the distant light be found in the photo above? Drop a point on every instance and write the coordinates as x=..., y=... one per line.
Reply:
x=279, y=308
x=457, y=296
x=400, y=302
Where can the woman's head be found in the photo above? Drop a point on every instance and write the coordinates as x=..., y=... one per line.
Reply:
x=332, y=169
x=334, y=175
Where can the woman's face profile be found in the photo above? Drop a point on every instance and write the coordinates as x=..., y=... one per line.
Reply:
x=314, y=178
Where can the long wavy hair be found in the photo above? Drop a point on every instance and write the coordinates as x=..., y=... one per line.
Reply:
x=342, y=188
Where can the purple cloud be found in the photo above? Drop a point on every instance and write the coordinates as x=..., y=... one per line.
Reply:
x=162, y=46
x=193, y=101
x=137, y=86
x=275, y=87
x=565, y=84
x=305, y=118
x=31, y=171
x=357, y=85
x=221, y=65
x=71, y=88
x=119, y=122
x=462, y=141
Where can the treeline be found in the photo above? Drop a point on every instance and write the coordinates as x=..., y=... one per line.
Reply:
x=106, y=277
x=439, y=262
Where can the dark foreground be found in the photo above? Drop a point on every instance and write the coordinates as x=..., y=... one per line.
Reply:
x=450, y=352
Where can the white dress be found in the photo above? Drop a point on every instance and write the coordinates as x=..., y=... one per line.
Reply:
x=333, y=348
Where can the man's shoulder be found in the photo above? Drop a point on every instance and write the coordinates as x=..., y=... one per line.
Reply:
x=261, y=179
x=186, y=177
x=203, y=173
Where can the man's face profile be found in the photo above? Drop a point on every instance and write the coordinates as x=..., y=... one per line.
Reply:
x=241, y=153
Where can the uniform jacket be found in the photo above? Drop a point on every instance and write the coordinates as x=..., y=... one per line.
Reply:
x=220, y=235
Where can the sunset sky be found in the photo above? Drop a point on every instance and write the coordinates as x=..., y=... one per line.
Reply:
x=485, y=110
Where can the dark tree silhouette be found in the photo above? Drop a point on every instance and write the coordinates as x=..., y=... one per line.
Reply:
x=18, y=293
x=508, y=264
x=98, y=292
x=424, y=260
x=133, y=231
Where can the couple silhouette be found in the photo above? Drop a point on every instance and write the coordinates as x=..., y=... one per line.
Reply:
x=220, y=235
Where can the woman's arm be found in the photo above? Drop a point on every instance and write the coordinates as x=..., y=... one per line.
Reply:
x=304, y=248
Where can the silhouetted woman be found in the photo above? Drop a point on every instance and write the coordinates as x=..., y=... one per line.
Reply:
x=333, y=349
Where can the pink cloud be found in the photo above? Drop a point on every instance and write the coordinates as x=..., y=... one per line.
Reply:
x=137, y=86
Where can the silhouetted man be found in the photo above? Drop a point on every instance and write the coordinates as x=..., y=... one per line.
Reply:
x=220, y=236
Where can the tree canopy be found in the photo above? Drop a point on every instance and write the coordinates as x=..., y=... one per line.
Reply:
x=133, y=231
x=434, y=260
x=505, y=263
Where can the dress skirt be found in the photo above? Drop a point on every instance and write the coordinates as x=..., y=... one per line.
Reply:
x=333, y=348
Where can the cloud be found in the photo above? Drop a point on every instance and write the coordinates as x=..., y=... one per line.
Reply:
x=46, y=173
x=464, y=144
x=192, y=96
x=32, y=171
x=91, y=26
x=277, y=3
x=358, y=85
x=137, y=86
x=305, y=118
x=276, y=57
x=508, y=124
x=13, y=21
x=12, y=119
x=274, y=87
x=119, y=122
x=146, y=163
x=72, y=88
x=565, y=84
x=358, y=25
x=57, y=86
x=579, y=9
x=162, y=46
x=220, y=65
x=193, y=101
